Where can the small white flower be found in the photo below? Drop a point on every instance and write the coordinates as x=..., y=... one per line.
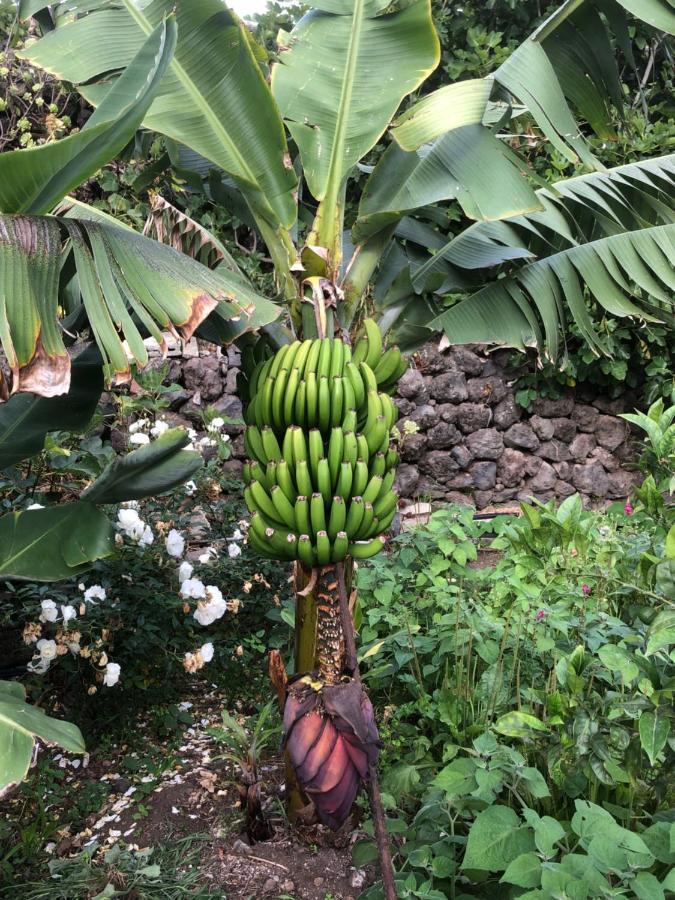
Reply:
x=185, y=571
x=46, y=649
x=159, y=427
x=207, y=556
x=127, y=518
x=138, y=425
x=215, y=424
x=139, y=439
x=49, y=611
x=112, y=674
x=34, y=506
x=237, y=536
x=190, y=488
x=192, y=589
x=207, y=651
x=147, y=537
x=206, y=442
x=68, y=613
x=95, y=592
x=225, y=438
x=233, y=550
x=192, y=434
x=175, y=543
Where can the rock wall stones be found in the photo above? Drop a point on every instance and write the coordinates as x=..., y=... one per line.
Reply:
x=470, y=440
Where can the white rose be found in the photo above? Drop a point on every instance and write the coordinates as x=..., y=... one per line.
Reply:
x=112, y=674
x=95, y=592
x=175, y=544
x=215, y=425
x=68, y=613
x=190, y=487
x=206, y=651
x=185, y=571
x=138, y=425
x=192, y=589
x=159, y=427
x=139, y=439
x=237, y=536
x=146, y=538
x=127, y=518
x=207, y=556
x=233, y=550
x=49, y=611
x=46, y=649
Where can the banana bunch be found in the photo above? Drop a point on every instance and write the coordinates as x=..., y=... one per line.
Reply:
x=319, y=481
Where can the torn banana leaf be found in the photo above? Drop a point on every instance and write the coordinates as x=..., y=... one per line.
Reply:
x=130, y=287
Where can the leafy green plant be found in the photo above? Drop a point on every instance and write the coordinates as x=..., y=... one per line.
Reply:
x=659, y=454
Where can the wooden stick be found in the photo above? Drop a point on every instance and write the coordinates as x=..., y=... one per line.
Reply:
x=376, y=808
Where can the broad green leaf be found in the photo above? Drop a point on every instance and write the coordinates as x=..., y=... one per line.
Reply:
x=618, y=659
x=34, y=180
x=20, y=725
x=53, y=543
x=670, y=543
x=508, y=311
x=496, y=838
x=654, y=731
x=523, y=871
x=213, y=99
x=151, y=470
x=457, y=778
x=661, y=632
x=658, y=13
x=646, y=886
x=338, y=83
x=127, y=283
x=519, y=724
x=25, y=419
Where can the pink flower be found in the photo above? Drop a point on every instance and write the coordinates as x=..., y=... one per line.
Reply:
x=628, y=509
x=540, y=615
x=585, y=590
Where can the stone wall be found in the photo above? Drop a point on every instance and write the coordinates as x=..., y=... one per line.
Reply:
x=474, y=442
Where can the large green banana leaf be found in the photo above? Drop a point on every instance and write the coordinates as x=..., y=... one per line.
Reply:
x=35, y=180
x=53, y=543
x=214, y=97
x=341, y=76
x=26, y=419
x=626, y=274
x=151, y=470
x=129, y=285
x=20, y=726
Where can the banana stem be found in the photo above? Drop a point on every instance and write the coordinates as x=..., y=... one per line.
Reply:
x=376, y=808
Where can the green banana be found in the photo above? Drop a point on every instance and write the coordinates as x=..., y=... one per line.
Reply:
x=360, y=350
x=305, y=551
x=340, y=547
x=302, y=519
x=322, y=548
x=262, y=502
x=385, y=521
x=377, y=434
x=300, y=409
x=270, y=444
x=324, y=412
x=303, y=478
x=372, y=491
x=378, y=465
x=360, y=477
x=349, y=420
x=302, y=356
x=277, y=360
x=356, y=381
x=384, y=505
x=387, y=365
x=374, y=342
x=264, y=414
x=315, y=452
x=323, y=367
x=345, y=480
x=292, y=384
x=312, y=401
x=312, y=358
x=283, y=506
x=299, y=445
x=287, y=447
x=391, y=457
x=270, y=474
x=323, y=480
x=254, y=444
x=369, y=379
x=350, y=448
x=317, y=513
x=285, y=480
x=366, y=521
x=278, y=395
x=337, y=358
x=335, y=451
x=355, y=514
x=337, y=518
x=366, y=549
x=259, y=474
x=362, y=447
x=387, y=483
x=262, y=547
x=349, y=395
x=337, y=396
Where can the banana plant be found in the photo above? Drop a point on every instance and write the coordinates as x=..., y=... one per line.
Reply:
x=285, y=149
